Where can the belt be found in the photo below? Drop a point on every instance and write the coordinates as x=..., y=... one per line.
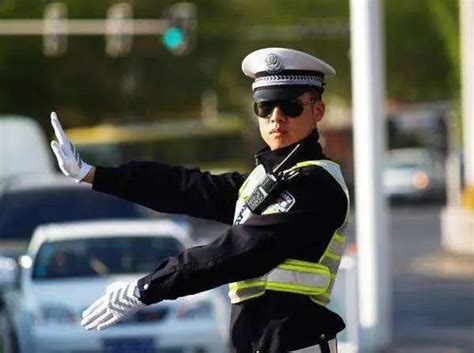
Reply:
x=323, y=347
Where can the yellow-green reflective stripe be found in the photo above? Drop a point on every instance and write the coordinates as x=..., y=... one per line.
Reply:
x=295, y=275
x=331, y=167
x=303, y=164
x=303, y=279
x=234, y=298
x=336, y=248
x=332, y=264
x=335, y=171
x=259, y=170
x=301, y=263
x=320, y=300
x=310, y=279
x=252, y=292
x=249, y=291
x=316, y=270
x=244, y=293
x=332, y=256
x=331, y=285
x=244, y=185
x=326, y=295
x=294, y=288
x=246, y=284
x=319, y=162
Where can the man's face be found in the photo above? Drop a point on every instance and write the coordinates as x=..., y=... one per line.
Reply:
x=279, y=131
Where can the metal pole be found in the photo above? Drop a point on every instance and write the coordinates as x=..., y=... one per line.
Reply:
x=368, y=88
x=466, y=8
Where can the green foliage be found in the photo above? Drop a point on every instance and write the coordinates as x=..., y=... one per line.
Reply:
x=85, y=86
x=422, y=49
x=445, y=18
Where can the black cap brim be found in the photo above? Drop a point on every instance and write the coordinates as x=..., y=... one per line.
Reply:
x=279, y=93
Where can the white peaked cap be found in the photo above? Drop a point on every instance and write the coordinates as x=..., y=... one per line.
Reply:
x=280, y=59
x=281, y=70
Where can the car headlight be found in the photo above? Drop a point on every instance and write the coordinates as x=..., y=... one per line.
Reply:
x=194, y=310
x=51, y=314
x=420, y=180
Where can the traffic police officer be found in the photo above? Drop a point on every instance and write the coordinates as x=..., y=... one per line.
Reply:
x=282, y=252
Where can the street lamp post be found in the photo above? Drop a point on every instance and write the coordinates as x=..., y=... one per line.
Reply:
x=373, y=242
x=467, y=83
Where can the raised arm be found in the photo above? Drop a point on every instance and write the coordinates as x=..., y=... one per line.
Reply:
x=170, y=189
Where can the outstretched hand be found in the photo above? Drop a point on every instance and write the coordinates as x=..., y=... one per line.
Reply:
x=118, y=302
x=69, y=160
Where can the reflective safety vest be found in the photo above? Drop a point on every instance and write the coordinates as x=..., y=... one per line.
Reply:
x=315, y=279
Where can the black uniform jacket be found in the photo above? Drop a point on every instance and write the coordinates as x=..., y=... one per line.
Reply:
x=277, y=321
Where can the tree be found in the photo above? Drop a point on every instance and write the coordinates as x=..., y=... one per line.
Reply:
x=87, y=87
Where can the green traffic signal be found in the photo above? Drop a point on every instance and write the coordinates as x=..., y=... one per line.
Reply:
x=173, y=38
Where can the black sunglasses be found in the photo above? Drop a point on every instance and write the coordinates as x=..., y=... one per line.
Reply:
x=290, y=108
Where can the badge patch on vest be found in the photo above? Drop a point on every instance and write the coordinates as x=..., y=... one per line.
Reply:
x=243, y=212
x=283, y=203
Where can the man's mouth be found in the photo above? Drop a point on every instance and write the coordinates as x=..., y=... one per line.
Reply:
x=277, y=130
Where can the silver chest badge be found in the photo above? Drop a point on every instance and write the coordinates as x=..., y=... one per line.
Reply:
x=273, y=63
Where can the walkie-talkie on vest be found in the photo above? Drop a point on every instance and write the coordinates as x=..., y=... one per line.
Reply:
x=269, y=186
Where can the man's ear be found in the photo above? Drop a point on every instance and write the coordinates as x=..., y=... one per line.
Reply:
x=318, y=110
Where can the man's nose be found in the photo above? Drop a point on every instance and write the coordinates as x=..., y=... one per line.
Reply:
x=277, y=115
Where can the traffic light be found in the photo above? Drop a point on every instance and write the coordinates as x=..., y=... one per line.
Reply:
x=180, y=36
x=118, y=35
x=54, y=30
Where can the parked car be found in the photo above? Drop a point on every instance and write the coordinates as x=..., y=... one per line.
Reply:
x=24, y=149
x=413, y=174
x=7, y=272
x=28, y=201
x=68, y=266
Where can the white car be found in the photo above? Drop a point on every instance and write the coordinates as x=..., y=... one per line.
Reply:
x=68, y=266
x=413, y=174
x=24, y=149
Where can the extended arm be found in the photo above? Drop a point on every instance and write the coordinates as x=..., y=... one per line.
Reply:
x=153, y=184
x=255, y=247
x=242, y=252
x=172, y=189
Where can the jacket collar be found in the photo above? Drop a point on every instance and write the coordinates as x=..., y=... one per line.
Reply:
x=310, y=149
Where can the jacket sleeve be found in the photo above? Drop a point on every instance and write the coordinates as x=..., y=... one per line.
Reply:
x=170, y=189
x=255, y=247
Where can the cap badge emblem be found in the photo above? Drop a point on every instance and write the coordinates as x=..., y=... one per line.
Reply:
x=273, y=63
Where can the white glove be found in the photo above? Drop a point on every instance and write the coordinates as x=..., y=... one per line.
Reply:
x=68, y=158
x=119, y=301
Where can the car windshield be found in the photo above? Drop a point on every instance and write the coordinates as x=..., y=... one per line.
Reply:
x=399, y=164
x=88, y=257
x=407, y=160
x=22, y=211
